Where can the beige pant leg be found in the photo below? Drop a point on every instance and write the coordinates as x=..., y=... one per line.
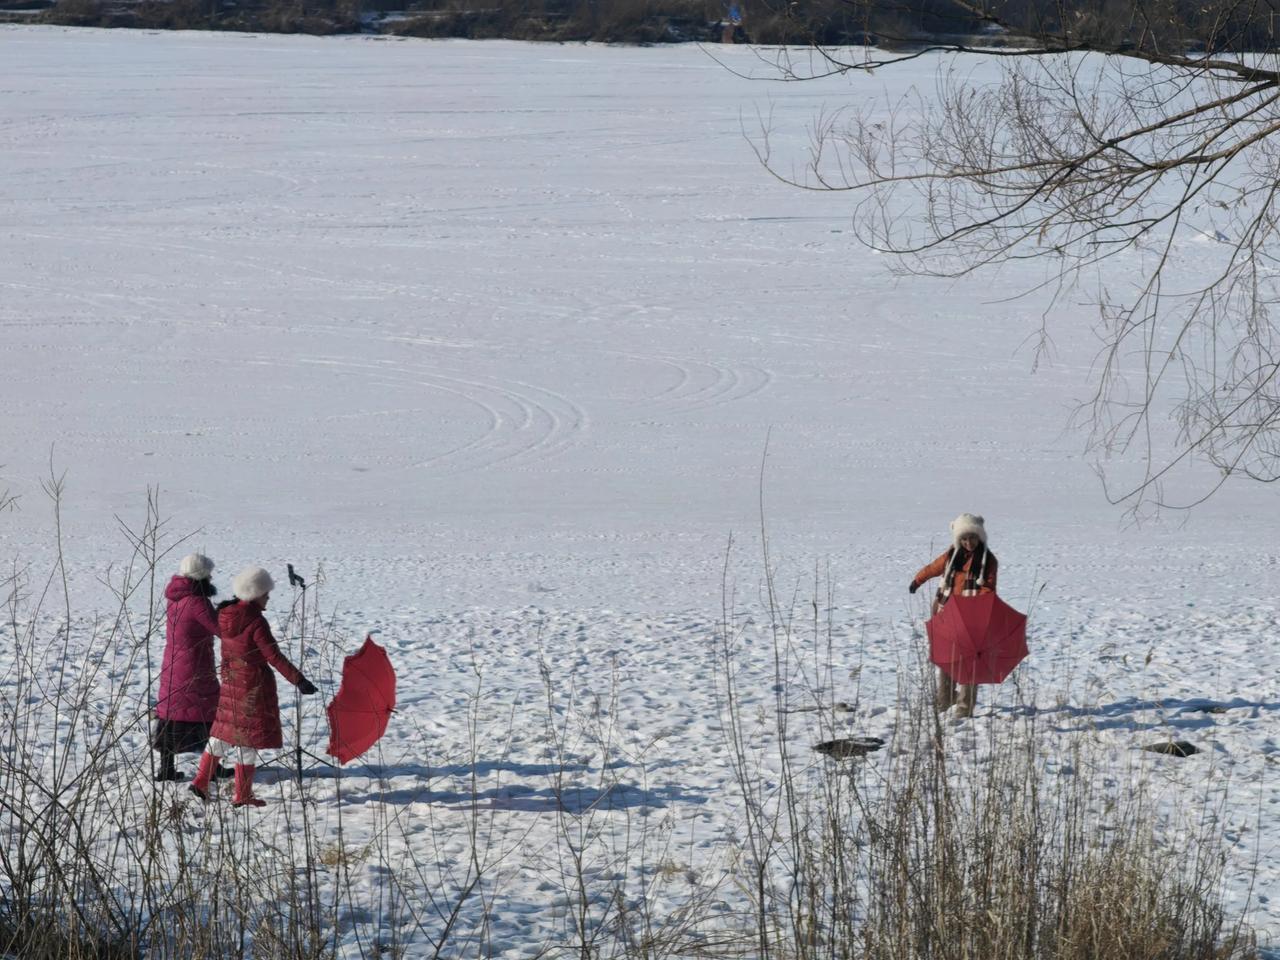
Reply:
x=968, y=698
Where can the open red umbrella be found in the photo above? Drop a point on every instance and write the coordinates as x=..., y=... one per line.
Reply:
x=358, y=714
x=977, y=639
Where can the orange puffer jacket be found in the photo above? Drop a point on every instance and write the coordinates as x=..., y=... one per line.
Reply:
x=961, y=573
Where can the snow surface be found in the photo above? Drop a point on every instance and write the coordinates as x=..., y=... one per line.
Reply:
x=494, y=334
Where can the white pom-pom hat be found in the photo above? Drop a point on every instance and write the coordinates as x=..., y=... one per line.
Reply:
x=196, y=566
x=968, y=523
x=252, y=583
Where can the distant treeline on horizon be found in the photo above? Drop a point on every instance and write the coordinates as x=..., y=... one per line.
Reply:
x=1114, y=25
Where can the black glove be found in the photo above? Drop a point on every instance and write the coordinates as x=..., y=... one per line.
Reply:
x=306, y=687
x=913, y=588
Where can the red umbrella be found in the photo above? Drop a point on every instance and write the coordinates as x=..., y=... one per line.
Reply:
x=977, y=639
x=358, y=714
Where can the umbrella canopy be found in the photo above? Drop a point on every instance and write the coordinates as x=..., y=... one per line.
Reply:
x=358, y=714
x=977, y=639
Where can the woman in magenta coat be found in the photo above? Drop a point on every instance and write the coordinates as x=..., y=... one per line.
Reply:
x=248, y=718
x=188, y=695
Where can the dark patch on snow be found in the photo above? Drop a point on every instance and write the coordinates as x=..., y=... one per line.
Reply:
x=1173, y=748
x=849, y=747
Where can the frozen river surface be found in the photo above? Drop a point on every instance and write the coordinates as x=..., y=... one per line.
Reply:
x=495, y=334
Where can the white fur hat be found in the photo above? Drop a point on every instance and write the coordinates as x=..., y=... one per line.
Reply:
x=967, y=523
x=251, y=583
x=196, y=566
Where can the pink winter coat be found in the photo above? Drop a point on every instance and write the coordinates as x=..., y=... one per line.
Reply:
x=248, y=711
x=188, y=683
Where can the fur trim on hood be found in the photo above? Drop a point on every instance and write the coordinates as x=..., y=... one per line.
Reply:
x=252, y=583
x=196, y=566
x=968, y=523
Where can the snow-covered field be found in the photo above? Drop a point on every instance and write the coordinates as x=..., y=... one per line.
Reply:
x=494, y=334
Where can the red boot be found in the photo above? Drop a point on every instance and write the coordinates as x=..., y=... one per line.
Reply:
x=208, y=768
x=243, y=797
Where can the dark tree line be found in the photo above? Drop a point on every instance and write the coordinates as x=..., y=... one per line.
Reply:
x=1169, y=25
x=1165, y=24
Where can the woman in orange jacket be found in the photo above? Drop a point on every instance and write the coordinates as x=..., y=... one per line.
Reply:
x=967, y=568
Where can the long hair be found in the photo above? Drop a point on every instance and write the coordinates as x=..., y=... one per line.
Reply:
x=957, y=557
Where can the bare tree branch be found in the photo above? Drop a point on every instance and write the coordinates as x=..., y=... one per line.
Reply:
x=1079, y=153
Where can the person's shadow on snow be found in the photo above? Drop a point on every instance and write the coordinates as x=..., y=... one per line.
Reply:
x=278, y=770
x=574, y=799
x=1185, y=714
x=568, y=797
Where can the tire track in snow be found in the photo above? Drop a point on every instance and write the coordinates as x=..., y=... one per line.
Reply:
x=523, y=422
x=243, y=264
x=702, y=384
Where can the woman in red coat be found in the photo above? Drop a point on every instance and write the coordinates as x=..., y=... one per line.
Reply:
x=967, y=568
x=188, y=696
x=248, y=718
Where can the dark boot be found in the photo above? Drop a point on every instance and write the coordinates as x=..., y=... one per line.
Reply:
x=208, y=767
x=243, y=796
x=167, y=771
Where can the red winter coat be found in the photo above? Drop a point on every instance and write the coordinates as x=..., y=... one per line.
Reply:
x=188, y=684
x=248, y=711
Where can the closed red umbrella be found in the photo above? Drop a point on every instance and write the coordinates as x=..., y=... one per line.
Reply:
x=359, y=713
x=977, y=639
